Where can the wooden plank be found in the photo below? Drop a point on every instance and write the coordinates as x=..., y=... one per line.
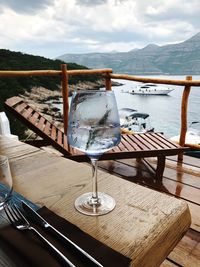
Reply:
x=169, y=186
x=13, y=101
x=142, y=177
x=53, y=132
x=187, y=160
x=156, y=141
x=167, y=141
x=129, y=146
x=19, y=108
x=34, y=118
x=187, y=252
x=179, y=172
x=41, y=123
x=27, y=112
x=168, y=263
x=146, y=141
x=136, y=142
x=47, y=128
x=121, y=145
x=60, y=137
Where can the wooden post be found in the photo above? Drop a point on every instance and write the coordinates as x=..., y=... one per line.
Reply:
x=184, y=107
x=108, y=81
x=64, y=77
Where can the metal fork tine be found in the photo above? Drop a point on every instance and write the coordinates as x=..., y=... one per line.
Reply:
x=18, y=213
x=9, y=213
x=14, y=211
x=20, y=222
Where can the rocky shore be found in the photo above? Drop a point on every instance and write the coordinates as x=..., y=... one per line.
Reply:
x=43, y=99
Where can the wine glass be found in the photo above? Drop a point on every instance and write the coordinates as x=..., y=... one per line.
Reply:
x=5, y=181
x=94, y=128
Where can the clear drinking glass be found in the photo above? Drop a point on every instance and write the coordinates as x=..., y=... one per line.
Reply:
x=6, y=184
x=94, y=128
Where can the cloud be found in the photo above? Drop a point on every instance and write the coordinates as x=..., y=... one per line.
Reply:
x=23, y=6
x=53, y=27
x=90, y=2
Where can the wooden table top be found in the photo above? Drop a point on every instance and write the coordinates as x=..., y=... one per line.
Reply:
x=145, y=225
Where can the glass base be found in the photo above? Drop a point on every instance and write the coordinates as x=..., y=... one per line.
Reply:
x=105, y=204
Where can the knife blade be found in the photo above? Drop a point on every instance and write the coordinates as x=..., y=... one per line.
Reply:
x=38, y=219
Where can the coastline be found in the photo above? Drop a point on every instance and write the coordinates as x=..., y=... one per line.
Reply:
x=43, y=99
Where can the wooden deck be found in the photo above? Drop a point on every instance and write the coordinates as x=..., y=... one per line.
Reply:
x=181, y=181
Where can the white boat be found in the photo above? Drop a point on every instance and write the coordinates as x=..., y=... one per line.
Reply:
x=151, y=89
x=137, y=122
x=192, y=135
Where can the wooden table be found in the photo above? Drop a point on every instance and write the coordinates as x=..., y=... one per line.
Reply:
x=145, y=225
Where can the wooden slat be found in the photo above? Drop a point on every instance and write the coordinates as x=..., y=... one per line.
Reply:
x=136, y=143
x=156, y=141
x=187, y=252
x=41, y=123
x=33, y=119
x=127, y=145
x=47, y=129
x=13, y=101
x=60, y=137
x=121, y=145
x=19, y=108
x=167, y=141
x=146, y=141
x=27, y=112
x=53, y=132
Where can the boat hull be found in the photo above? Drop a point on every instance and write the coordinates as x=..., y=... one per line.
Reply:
x=151, y=92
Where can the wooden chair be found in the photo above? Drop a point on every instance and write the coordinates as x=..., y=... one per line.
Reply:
x=131, y=145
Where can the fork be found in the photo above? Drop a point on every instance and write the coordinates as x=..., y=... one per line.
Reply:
x=18, y=220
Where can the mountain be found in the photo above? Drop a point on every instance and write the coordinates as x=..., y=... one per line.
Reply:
x=182, y=58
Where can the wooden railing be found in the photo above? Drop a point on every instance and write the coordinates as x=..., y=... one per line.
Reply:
x=108, y=76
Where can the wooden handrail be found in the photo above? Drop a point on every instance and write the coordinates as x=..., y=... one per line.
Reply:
x=13, y=73
x=107, y=72
x=155, y=80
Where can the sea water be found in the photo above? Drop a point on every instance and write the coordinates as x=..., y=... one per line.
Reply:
x=164, y=110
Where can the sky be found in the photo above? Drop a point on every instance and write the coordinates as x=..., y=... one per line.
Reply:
x=51, y=28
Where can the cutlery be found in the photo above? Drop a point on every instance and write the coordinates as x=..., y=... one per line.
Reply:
x=18, y=220
x=35, y=217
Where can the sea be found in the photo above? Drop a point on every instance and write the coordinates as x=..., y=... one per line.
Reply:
x=164, y=110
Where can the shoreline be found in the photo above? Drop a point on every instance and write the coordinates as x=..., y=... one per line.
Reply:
x=42, y=99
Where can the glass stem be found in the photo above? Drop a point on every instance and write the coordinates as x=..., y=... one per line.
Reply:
x=94, y=200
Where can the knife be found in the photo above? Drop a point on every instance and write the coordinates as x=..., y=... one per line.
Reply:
x=35, y=217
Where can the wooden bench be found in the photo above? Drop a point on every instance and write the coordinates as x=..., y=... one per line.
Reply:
x=131, y=145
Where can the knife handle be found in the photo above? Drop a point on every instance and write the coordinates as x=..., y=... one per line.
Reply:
x=66, y=239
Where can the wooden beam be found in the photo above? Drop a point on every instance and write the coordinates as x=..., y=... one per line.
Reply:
x=65, y=96
x=108, y=82
x=12, y=73
x=155, y=80
x=5, y=73
x=184, y=108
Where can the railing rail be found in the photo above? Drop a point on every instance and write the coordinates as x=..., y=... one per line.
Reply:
x=108, y=76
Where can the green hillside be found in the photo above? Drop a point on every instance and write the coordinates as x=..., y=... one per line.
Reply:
x=12, y=86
